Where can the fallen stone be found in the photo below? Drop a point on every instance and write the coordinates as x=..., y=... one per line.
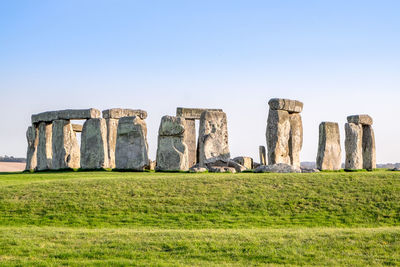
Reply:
x=197, y=169
x=295, y=139
x=117, y=113
x=192, y=113
x=172, y=152
x=222, y=169
x=226, y=163
x=112, y=127
x=263, y=157
x=292, y=106
x=94, y=150
x=65, y=147
x=353, y=146
x=256, y=165
x=44, y=148
x=360, y=119
x=246, y=162
x=278, y=133
x=307, y=170
x=32, y=137
x=278, y=168
x=329, y=155
x=368, y=148
x=213, y=137
x=131, y=152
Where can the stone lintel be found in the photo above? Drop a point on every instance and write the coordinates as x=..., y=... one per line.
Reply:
x=67, y=114
x=117, y=113
x=360, y=119
x=192, y=113
x=291, y=106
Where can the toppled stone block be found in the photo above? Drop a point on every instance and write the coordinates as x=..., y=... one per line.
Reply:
x=360, y=119
x=32, y=137
x=44, y=148
x=94, y=150
x=226, y=163
x=247, y=162
x=117, y=113
x=222, y=169
x=291, y=106
x=192, y=113
x=65, y=146
x=368, y=148
x=278, y=134
x=213, y=137
x=197, y=169
x=278, y=168
x=353, y=146
x=329, y=151
x=131, y=152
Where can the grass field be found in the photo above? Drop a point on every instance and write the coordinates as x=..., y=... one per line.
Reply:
x=122, y=218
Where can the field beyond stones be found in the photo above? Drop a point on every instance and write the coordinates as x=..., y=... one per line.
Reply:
x=209, y=219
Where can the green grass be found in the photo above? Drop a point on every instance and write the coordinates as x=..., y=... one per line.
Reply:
x=124, y=218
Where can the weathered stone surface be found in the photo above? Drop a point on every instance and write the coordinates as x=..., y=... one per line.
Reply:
x=308, y=170
x=247, y=162
x=353, y=146
x=256, y=165
x=360, y=119
x=278, y=133
x=226, y=163
x=292, y=106
x=32, y=137
x=77, y=128
x=94, y=150
x=329, y=151
x=44, y=148
x=369, y=151
x=222, y=169
x=213, y=137
x=295, y=139
x=191, y=141
x=172, y=152
x=278, y=168
x=131, y=152
x=197, y=169
x=263, y=157
x=67, y=114
x=192, y=113
x=117, y=113
x=65, y=146
x=112, y=128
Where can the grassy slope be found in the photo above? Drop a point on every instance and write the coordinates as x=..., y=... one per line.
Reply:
x=85, y=217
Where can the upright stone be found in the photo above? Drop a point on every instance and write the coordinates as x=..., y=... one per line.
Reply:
x=65, y=146
x=353, y=146
x=368, y=145
x=112, y=127
x=94, y=152
x=32, y=137
x=131, y=152
x=295, y=139
x=329, y=151
x=278, y=133
x=213, y=137
x=172, y=152
x=190, y=140
x=44, y=149
x=263, y=158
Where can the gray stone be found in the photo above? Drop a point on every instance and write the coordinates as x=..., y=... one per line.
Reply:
x=278, y=133
x=295, y=139
x=278, y=168
x=65, y=146
x=329, y=151
x=117, y=113
x=226, y=163
x=263, y=157
x=307, y=170
x=292, y=106
x=197, y=169
x=131, y=152
x=213, y=137
x=68, y=114
x=112, y=128
x=32, y=137
x=192, y=113
x=353, y=146
x=47, y=116
x=77, y=128
x=172, y=152
x=247, y=162
x=369, y=151
x=44, y=148
x=256, y=165
x=191, y=141
x=360, y=119
x=222, y=169
x=94, y=151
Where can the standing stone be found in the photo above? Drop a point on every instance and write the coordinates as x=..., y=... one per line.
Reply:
x=295, y=139
x=65, y=146
x=213, y=137
x=172, y=152
x=112, y=127
x=329, y=151
x=94, y=151
x=32, y=137
x=44, y=149
x=369, y=151
x=278, y=133
x=131, y=152
x=263, y=158
x=190, y=140
x=353, y=145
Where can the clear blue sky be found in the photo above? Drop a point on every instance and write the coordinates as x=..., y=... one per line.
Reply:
x=338, y=57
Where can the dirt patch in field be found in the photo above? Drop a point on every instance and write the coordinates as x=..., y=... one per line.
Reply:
x=11, y=166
